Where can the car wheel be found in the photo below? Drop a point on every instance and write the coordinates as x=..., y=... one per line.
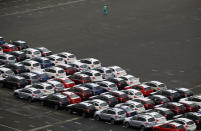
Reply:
x=127, y=125
x=16, y=95
x=14, y=88
x=56, y=107
x=97, y=117
x=142, y=128
x=1, y=85
x=84, y=114
x=29, y=99
x=112, y=121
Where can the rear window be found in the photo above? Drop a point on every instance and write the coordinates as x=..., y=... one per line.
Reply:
x=131, y=78
x=87, y=91
x=59, y=59
x=168, y=112
x=121, y=112
x=138, y=93
x=46, y=61
x=148, y=88
x=9, y=72
x=151, y=119
x=149, y=102
x=113, y=85
x=139, y=106
x=74, y=96
x=59, y=85
x=64, y=99
x=68, y=81
x=11, y=58
x=158, y=116
x=36, y=53
x=190, y=123
x=193, y=105
x=119, y=69
x=83, y=66
x=181, y=107
x=49, y=87
x=103, y=104
x=60, y=71
x=165, y=100
x=97, y=74
x=37, y=92
x=71, y=56
x=123, y=95
x=96, y=62
x=70, y=68
x=97, y=88
x=34, y=77
x=36, y=64
x=176, y=94
x=108, y=71
x=113, y=99
x=161, y=85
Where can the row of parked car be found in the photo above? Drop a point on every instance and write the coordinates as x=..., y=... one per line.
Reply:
x=87, y=88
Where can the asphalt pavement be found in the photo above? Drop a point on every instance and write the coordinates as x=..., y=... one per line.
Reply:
x=151, y=39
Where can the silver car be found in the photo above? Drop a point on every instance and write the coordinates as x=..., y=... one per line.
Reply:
x=156, y=85
x=141, y=121
x=113, y=115
x=105, y=72
x=29, y=94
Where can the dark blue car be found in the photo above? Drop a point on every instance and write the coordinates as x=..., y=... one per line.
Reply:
x=2, y=40
x=95, y=88
x=44, y=62
x=42, y=76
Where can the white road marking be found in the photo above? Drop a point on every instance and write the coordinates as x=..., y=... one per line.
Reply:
x=56, y=123
x=42, y=8
x=12, y=128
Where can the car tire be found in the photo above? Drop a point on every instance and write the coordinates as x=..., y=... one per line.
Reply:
x=142, y=128
x=84, y=115
x=112, y=121
x=1, y=85
x=56, y=107
x=127, y=125
x=97, y=117
x=30, y=100
x=70, y=111
x=16, y=95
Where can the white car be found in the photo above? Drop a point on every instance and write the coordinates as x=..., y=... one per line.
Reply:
x=56, y=60
x=160, y=119
x=91, y=62
x=131, y=80
x=133, y=93
x=31, y=65
x=68, y=57
x=196, y=99
x=79, y=66
x=5, y=72
x=99, y=104
x=1, y=50
x=31, y=52
x=108, y=86
x=94, y=75
x=8, y=58
x=156, y=85
x=188, y=124
x=55, y=72
x=105, y=72
x=45, y=88
x=118, y=71
x=136, y=106
x=58, y=86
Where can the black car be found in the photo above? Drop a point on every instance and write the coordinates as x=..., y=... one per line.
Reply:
x=184, y=92
x=44, y=51
x=83, y=108
x=167, y=113
x=19, y=55
x=14, y=82
x=20, y=44
x=111, y=100
x=173, y=95
x=30, y=77
x=121, y=83
x=57, y=101
x=2, y=62
x=196, y=117
x=159, y=99
x=17, y=68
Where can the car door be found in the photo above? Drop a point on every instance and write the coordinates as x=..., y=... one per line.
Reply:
x=133, y=121
x=26, y=94
x=53, y=100
x=166, y=127
x=104, y=114
x=9, y=82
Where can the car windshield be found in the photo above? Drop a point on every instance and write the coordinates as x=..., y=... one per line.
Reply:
x=121, y=112
x=36, y=64
x=158, y=115
x=168, y=112
x=34, y=77
x=148, y=88
x=74, y=96
x=37, y=92
x=112, y=99
x=71, y=56
x=87, y=91
x=192, y=105
x=138, y=93
x=131, y=78
x=61, y=71
x=165, y=100
x=112, y=85
x=83, y=66
x=123, y=95
x=151, y=119
x=190, y=123
x=9, y=72
x=46, y=61
x=181, y=107
x=108, y=71
x=36, y=53
x=87, y=78
x=119, y=69
x=97, y=74
x=68, y=81
x=149, y=102
x=103, y=104
x=139, y=106
x=49, y=87
x=97, y=88
x=59, y=85
x=96, y=62
x=162, y=85
x=176, y=94
x=11, y=58
x=69, y=68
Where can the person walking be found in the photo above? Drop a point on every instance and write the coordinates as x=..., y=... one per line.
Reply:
x=105, y=9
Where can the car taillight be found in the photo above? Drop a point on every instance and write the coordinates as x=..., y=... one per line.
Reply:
x=157, y=120
x=18, y=84
x=135, y=97
x=60, y=103
x=32, y=55
x=87, y=110
x=118, y=84
x=105, y=74
x=93, y=77
x=120, y=99
x=57, y=74
x=135, y=108
x=109, y=88
x=100, y=107
x=186, y=126
x=43, y=53
x=92, y=65
x=161, y=102
x=197, y=121
x=158, y=88
x=109, y=102
x=128, y=114
x=131, y=82
x=17, y=70
x=147, y=123
x=118, y=73
x=171, y=98
x=67, y=59
x=30, y=81
x=165, y=115
x=185, y=95
x=116, y=116
x=33, y=95
x=146, y=105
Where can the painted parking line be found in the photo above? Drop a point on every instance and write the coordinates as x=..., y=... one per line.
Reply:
x=12, y=128
x=42, y=8
x=53, y=124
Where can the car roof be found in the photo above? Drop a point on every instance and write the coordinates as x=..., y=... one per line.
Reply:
x=6, y=55
x=132, y=90
x=78, y=63
x=20, y=41
x=146, y=116
x=144, y=86
x=152, y=113
x=114, y=67
x=31, y=49
x=86, y=103
x=156, y=82
x=29, y=74
x=68, y=93
x=92, y=71
x=82, y=87
x=18, y=64
x=90, y=59
x=44, y=84
x=175, y=124
x=144, y=99
x=92, y=84
x=18, y=52
x=55, y=68
x=66, y=53
x=30, y=61
x=9, y=45
x=19, y=77
x=187, y=102
x=160, y=96
x=183, y=89
x=119, y=92
x=171, y=91
x=176, y=103
x=32, y=89
x=4, y=69
x=53, y=82
x=82, y=75
x=107, y=95
x=128, y=76
x=162, y=109
x=184, y=119
x=54, y=56
x=98, y=101
x=118, y=79
x=60, y=95
x=107, y=82
x=133, y=102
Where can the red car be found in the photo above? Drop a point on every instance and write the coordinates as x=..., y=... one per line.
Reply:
x=145, y=89
x=68, y=68
x=121, y=96
x=72, y=97
x=83, y=92
x=66, y=82
x=172, y=126
x=80, y=78
x=177, y=108
x=148, y=103
x=9, y=48
x=190, y=106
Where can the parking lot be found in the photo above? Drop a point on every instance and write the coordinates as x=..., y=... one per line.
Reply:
x=153, y=40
